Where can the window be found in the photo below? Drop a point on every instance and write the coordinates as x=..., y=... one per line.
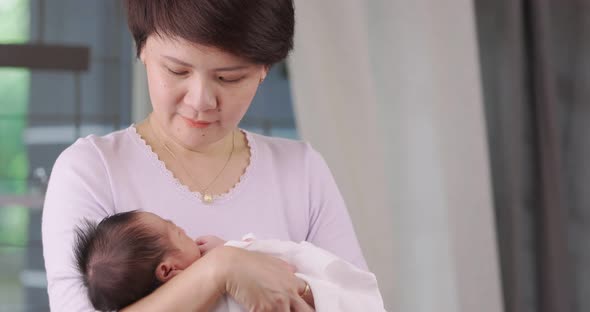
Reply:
x=44, y=111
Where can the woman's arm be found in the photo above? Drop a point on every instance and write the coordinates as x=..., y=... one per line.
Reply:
x=203, y=279
x=196, y=289
x=330, y=225
x=78, y=189
x=257, y=281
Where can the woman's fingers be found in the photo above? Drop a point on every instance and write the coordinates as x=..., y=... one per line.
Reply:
x=299, y=305
x=305, y=293
x=291, y=268
x=262, y=283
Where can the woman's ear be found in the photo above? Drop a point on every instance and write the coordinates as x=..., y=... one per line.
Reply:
x=166, y=271
x=265, y=70
x=142, y=55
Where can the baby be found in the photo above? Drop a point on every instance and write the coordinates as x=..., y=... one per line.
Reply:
x=128, y=255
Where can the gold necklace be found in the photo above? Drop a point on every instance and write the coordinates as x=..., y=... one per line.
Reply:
x=205, y=197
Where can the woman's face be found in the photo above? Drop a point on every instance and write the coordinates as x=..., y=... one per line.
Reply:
x=199, y=94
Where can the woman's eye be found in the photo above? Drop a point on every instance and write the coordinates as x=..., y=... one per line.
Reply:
x=229, y=80
x=177, y=73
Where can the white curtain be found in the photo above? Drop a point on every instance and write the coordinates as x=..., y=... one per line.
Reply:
x=389, y=92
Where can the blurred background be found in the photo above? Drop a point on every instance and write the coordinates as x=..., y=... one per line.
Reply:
x=457, y=133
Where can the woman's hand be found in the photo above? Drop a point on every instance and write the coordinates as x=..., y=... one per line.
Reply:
x=260, y=282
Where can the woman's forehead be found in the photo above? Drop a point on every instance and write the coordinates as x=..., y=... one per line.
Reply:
x=193, y=54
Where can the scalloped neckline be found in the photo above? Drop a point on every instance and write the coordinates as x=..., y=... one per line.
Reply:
x=218, y=198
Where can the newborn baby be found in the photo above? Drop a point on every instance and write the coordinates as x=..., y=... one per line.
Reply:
x=128, y=255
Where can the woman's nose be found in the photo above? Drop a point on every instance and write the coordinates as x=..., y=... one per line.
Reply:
x=200, y=96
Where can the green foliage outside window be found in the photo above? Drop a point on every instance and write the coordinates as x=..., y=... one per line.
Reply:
x=14, y=99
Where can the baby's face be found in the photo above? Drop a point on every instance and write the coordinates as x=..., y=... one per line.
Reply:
x=187, y=250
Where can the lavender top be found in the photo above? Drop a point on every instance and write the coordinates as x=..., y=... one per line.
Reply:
x=287, y=193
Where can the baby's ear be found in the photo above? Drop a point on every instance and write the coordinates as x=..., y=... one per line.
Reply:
x=166, y=271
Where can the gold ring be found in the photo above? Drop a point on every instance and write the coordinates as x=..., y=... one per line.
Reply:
x=305, y=291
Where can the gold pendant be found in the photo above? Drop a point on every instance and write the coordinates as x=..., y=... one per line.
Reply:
x=207, y=198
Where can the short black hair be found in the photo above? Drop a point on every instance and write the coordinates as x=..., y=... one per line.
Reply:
x=117, y=259
x=260, y=31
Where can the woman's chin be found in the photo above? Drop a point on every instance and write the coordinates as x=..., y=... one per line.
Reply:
x=198, y=142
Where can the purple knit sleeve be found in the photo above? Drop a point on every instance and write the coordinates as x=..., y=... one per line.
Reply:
x=330, y=224
x=78, y=188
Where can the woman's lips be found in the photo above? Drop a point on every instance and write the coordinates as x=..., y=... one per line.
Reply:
x=196, y=123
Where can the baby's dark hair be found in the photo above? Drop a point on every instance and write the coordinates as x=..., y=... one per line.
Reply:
x=117, y=259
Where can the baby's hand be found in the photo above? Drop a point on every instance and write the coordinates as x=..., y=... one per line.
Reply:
x=207, y=243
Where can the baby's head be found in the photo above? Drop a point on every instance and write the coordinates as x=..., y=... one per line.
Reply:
x=128, y=255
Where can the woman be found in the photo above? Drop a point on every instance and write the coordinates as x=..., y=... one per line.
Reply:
x=188, y=162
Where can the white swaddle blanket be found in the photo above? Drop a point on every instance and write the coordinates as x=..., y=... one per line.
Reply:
x=336, y=284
